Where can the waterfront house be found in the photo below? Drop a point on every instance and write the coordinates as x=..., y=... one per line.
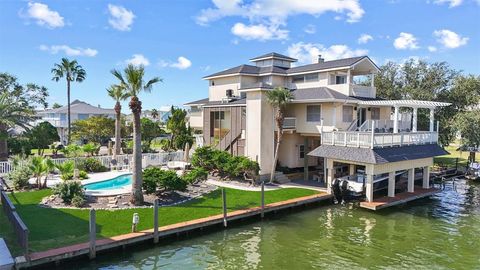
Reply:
x=334, y=127
x=79, y=110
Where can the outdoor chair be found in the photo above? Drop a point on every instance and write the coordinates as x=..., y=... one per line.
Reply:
x=114, y=164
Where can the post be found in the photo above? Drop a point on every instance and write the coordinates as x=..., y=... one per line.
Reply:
x=438, y=126
x=369, y=189
x=395, y=121
x=391, y=184
x=263, y=199
x=224, y=200
x=373, y=134
x=432, y=120
x=93, y=234
x=411, y=180
x=426, y=177
x=414, y=121
x=358, y=139
x=330, y=175
x=155, y=222
x=305, y=159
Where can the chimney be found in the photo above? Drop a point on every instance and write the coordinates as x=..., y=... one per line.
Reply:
x=320, y=59
x=98, y=105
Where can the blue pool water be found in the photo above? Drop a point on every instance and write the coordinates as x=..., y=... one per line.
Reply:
x=114, y=183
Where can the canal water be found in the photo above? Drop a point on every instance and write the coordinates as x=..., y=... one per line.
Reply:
x=438, y=233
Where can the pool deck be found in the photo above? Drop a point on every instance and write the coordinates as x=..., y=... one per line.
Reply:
x=400, y=198
x=82, y=249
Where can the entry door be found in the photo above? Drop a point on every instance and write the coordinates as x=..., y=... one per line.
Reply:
x=361, y=116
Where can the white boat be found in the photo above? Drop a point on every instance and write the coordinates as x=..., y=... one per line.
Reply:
x=356, y=182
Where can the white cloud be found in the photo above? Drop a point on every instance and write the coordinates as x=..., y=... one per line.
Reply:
x=307, y=52
x=364, y=38
x=120, y=17
x=78, y=51
x=44, y=16
x=182, y=63
x=310, y=29
x=450, y=39
x=138, y=60
x=406, y=41
x=432, y=48
x=259, y=32
x=451, y=3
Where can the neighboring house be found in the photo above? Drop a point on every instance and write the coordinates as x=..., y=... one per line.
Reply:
x=79, y=110
x=164, y=113
x=334, y=126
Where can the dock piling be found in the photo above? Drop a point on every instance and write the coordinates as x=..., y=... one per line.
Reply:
x=93, y=234
x=263, y=199
x=224, y=199
x=155, y=222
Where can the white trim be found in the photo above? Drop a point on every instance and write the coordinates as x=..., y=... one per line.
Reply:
x=225, y=105
x=272, y=57
x=405, y=103
x=369, y=60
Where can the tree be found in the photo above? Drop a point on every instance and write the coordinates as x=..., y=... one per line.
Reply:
x=177, y=125
x=468, y=125
x=154, y=114
x=56, y=106
x=279, y=98
x=94, y=129
x=42, y=136
x=41, y=166
x=90, y=148
x=133, y=82
x=118, y=94
x=17, y=106
x=150, y=130
x=72, y=72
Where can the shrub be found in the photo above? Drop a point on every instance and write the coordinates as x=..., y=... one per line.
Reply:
x=203, y=157
x=66, y=170
x=154, y=178
x=92, y=165
x=197, y=174
x=78, y=201
x=20, y=176
x=82, y=175
x=247, y=167
x=69, y=189
x=150, y=176
x=91, y=148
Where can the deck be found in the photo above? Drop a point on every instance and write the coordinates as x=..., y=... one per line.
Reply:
x=384, y=202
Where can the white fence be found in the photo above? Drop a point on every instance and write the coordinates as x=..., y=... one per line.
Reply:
x=150, y=159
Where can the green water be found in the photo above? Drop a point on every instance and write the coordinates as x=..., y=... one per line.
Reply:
x=438, y=233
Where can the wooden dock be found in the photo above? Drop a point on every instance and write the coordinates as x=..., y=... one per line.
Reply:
x=82, y=249
x=400, y=198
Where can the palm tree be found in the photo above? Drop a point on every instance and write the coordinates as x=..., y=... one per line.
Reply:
x=49, y=167
x=73, y=72
x=38, y=168
x=133, y=83
x=154, y=114
x=12, y=113
x=278, y=98
x=119, y=94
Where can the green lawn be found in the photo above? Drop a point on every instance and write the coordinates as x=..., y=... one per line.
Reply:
x=449, y=160
x=47, y=151
x=51, y=228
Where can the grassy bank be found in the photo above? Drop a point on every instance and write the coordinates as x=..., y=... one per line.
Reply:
x=449, y=160
x=51, y=228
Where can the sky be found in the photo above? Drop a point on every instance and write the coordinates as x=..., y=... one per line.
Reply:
x=183, y=41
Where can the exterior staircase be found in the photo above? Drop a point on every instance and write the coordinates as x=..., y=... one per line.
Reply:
x=228, y=140
x=281, y=178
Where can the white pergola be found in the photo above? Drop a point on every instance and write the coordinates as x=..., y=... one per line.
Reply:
x=415, y=104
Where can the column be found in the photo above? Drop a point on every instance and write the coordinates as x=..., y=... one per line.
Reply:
x=334, y=115
x=395, y=120
x=351, y=169
x=372, y=80
x=411, y=179
x=369, y=188
x=305, y=159
x=391, y=184
x=330, y=174
x=426, y=177
x=414, y=120
x=432, y=119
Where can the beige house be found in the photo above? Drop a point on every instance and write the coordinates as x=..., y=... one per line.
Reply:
x=334, y=127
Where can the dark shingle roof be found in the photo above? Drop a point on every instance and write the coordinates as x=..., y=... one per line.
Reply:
x=219, y=103
x=242, y=69
x=274, y=55
x=378, y=155
x=346, y=62
x=321, y=93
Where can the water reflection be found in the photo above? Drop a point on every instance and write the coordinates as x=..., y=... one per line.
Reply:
x=437, y=233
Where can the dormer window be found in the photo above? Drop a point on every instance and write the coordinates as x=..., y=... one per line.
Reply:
x=305, y=78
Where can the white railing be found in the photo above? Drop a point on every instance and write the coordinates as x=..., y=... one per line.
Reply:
x=384, y=125
x=375, y=140
x=148, y=159
x=289, y=122
x=361, y=90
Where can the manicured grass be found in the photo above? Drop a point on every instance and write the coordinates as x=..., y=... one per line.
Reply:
x=51, y=228
x=449, y=160
x=47, y=151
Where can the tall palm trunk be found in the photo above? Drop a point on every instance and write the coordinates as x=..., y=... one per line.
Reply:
x=3, y=143
x=279, y=120
x=118, y=109
x=68, y=111
x=137, y=195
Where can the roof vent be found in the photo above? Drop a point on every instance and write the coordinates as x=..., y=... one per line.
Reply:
x=320, y=59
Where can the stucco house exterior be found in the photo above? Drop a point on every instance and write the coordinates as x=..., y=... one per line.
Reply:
x=335, y=126
x=79, y=110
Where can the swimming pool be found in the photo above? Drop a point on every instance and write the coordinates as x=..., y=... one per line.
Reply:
x=118, y=182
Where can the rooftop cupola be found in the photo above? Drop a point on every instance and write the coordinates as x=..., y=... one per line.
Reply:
x=273, y=59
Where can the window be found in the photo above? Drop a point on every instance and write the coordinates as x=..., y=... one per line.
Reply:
x=340, y=79
x=301, y=151
x=212, y=83
x=82, y=116
x=313, y=113
x=347, y=114
x=311, y=77
x=298, y=79
x=375, y=113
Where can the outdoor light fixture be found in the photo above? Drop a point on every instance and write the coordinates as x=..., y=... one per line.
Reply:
x=135, y=221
